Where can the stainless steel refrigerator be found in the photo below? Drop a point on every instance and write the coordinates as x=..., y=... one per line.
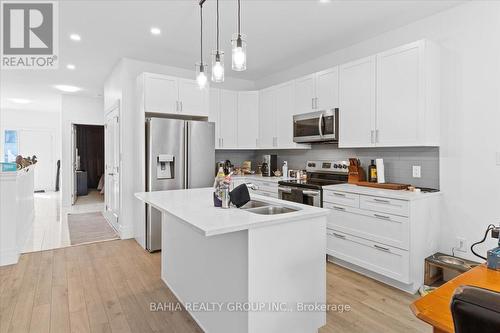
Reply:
x=180, y=154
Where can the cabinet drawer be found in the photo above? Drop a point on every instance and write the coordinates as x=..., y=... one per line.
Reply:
x=341, y=198
x=267, y=186
x=383, y=228
x=384, y=205
x=382, y=259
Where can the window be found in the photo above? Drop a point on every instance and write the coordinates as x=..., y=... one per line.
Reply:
x=10, y=147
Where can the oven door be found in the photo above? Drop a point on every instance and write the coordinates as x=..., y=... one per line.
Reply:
x=316, y=126
x=300, y=195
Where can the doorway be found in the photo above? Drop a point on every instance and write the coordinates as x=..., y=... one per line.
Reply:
x=89, y=164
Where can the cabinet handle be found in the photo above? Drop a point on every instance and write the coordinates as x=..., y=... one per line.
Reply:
x=222, y=140
x=381, y=248
x=371, y=136
x=339, y=236
x=312, y=103
x=316, y=102
x=339, y=194
x=376, y=136
x=339, y=208
x=180, y=105
x=256, y=142
x=382, y=216
x=381, y=201
x=176, y=105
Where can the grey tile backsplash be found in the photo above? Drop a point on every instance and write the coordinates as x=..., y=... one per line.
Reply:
x=398, y=161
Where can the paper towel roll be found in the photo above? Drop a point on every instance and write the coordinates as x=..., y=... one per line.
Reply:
x=380, y=170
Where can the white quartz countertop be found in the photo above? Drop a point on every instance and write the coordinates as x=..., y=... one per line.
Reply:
x=392, y=194
x=196, y=208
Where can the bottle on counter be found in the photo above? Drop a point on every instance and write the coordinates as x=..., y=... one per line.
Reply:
x=218, y=183
x=372, y=172
x=284, y=169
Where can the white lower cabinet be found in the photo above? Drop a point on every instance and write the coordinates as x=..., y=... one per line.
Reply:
x=385, y=238
x=267, y=188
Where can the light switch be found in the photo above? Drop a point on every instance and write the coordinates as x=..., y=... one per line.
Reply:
x=416, y=171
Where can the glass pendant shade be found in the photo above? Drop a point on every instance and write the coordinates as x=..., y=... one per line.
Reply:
x=218, y=66
x=239, y=52
x=201, y=75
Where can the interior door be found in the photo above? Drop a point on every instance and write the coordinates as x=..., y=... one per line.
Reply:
x=192, y=99
x=161, y=94
x=248, y=119
x=327, y=89
x=228, y=119
x=305, y=94
x=41, y=144
x=74, y=166
x=357, y=103
x=112, y=166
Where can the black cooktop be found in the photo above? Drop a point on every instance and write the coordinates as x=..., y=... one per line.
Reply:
x=316, y=184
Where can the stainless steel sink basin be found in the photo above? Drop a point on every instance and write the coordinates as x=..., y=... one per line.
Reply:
x=272, y=210
x=452, y=260
x=254, y=204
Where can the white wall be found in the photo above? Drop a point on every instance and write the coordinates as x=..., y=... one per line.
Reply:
x=34, y=120
x=470, y=106
x=75, y=110
x=121, y=85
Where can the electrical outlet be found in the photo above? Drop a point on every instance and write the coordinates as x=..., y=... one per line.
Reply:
x=461, y=244
x=417, y=171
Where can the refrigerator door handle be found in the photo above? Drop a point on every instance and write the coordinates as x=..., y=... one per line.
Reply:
x=186, y=155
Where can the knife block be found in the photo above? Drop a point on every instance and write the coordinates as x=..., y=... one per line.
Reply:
x=356, y=174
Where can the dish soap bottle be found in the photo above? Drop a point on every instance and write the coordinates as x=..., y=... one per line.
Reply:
x=284, y=169
x=372, y=172
x=218, y=183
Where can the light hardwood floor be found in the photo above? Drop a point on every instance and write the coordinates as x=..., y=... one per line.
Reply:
x=108, y=287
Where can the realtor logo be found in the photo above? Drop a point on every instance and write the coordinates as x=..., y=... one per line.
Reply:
x=29, y=35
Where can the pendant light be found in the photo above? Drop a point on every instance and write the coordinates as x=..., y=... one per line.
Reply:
x=239, y=47
x=218, y=57
x=201, y=77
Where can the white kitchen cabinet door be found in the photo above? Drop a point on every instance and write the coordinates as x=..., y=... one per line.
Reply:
x=357, y=103
x=267, y=119
x=192, y=99
x=305, y=94
x=284, y=102
x=228, y=119
x=400, y=92
x=327, y=89
x=248, y=119
x=160, y=94
x=213, y=113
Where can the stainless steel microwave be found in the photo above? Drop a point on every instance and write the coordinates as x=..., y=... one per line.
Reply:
x=320, y=126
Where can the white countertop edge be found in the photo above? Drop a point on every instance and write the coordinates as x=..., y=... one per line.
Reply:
x=392, y=194
x=272, y=220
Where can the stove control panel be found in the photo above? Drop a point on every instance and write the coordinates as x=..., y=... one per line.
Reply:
x=328, y=166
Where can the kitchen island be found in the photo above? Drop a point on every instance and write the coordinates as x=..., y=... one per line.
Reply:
x=238, y=270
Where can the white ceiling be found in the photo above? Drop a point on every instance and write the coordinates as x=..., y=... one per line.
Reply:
x=280, y=34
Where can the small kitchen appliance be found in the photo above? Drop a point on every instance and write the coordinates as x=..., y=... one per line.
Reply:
x=309, y=191
x=269, y=165
x=320, y=126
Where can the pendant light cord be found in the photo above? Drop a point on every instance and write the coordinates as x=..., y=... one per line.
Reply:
x=217, y=26
x=201, y=34
x=239, y=18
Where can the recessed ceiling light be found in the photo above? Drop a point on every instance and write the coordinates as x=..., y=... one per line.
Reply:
x=20, y=100
x=75, y=37
x=70, y=66
x=155, y=31
x=324, y=1
x=66, y=88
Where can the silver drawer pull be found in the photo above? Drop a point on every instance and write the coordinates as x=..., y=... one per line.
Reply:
x=339, y=194
x=339, y=208
x=382, y=216
x=339, y=236
x=381, y=248
x=382, y=201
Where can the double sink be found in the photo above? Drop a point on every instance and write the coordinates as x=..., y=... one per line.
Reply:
x=266, y=208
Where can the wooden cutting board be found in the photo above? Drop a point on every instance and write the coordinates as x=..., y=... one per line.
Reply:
x=387, y=186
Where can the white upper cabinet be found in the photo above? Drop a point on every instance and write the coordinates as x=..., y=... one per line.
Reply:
x=192, y=99
x=357, y=103
x=305, y=94
x=284, y=102
x=327, y=89
x=213, y=113
x=248, y=119
x=407, y=101
x=391, y=99
x=228, y=119
x=267, y=119
x=171, y=95
x=160, y=94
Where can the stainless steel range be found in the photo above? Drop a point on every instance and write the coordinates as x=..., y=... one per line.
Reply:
x=310, y=190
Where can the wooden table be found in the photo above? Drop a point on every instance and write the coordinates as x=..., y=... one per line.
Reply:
x=434, y=308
